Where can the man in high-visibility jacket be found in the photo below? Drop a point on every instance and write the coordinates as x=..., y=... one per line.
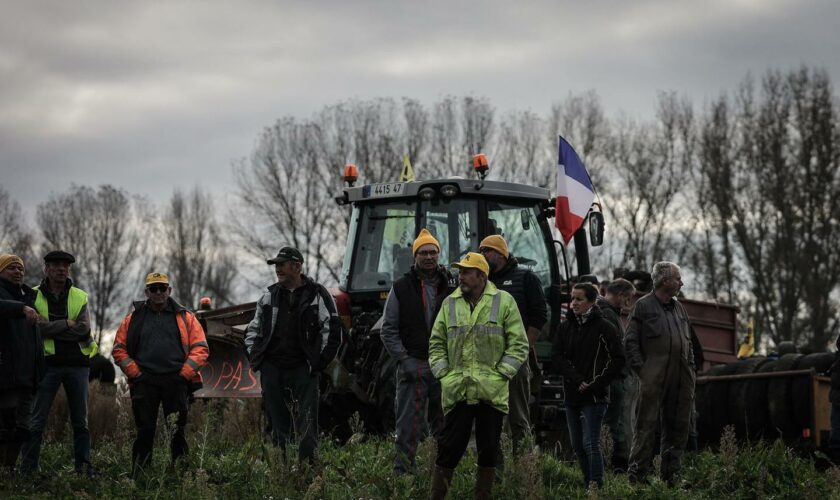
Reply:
x=68, y=348
x=160, y=346
x=477, y=345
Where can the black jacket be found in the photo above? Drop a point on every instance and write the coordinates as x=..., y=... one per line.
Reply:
x=318, y=326
x=590, y=352
x=404, y=327
x=21, y=349
x=527, y=290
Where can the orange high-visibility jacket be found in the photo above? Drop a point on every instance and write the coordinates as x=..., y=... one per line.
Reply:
x=193, y=342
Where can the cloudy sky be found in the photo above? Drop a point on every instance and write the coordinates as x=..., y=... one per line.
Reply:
x=148, y=95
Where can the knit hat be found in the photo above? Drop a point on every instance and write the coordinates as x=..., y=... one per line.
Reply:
x=473, y=260
x=424, y=238
x=8, y=259
x=497, y=243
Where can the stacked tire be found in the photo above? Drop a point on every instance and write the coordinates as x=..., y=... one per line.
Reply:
x=759, y=408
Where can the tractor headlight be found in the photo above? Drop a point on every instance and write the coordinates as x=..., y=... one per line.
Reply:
x=427, y=193
x=448, y=190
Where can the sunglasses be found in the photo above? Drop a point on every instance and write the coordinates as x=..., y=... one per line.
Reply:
x=157, y=288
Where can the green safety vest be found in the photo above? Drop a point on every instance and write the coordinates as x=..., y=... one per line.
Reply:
x=76, y=300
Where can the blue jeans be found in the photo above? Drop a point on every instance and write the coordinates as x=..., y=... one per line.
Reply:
x=585, y=434
x=75, y=381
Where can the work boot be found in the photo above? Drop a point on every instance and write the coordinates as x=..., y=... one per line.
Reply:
x=484, y=477
x=441, y=477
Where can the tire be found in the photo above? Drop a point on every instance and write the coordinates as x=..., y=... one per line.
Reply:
x=747, y=410
x=780, y=400
x=713, y=411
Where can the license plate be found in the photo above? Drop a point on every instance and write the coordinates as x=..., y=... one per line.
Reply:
x=387, y=190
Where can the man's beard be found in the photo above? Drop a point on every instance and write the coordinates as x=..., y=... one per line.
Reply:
x=466, y=289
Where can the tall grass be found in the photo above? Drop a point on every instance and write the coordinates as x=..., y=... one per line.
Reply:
x=230, y=459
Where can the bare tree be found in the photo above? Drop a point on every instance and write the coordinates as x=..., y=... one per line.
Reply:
x=477, y=124
x=99, y=227
x=523, y=153
x=17, y=237
x=195, y=254
x=645, y=184
x=774, y=191
x=286, y=189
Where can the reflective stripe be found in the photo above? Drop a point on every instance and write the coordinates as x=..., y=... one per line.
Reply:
x=199, y=344
x=515, y=363
x=192, y=364
x=76, y=300
x=494, y=311
x=453, y=313
x=457, y=331
x=124, y=363
x=484, y=329
x=443, y=365
x=489, y=329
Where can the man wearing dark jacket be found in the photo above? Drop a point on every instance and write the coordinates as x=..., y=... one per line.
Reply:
x=294, y=335
x=618, y=294
x=659, y=350
x=21, y=357
x=410, y=312
x=160, y=346
x=527, y=290
x=68, y=347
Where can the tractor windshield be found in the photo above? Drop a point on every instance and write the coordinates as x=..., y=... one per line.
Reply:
x=518, y=224
x=382, y=232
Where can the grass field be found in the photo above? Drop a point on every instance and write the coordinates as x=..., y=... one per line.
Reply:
x=229, y=459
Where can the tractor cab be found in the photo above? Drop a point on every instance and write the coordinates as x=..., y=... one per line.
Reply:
x=386, y=218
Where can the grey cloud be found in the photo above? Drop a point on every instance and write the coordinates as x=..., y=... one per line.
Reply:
x=139, y=93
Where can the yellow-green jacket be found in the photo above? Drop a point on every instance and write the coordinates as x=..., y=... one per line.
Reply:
x=475, y=353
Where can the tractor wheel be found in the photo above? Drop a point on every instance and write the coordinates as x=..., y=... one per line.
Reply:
x=780, y=399
x=747, y=409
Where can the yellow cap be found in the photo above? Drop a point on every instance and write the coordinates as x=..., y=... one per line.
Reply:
x=153, y=278
x=424, y=238
x=497, y=243
x=475, y=261
x=8, y=259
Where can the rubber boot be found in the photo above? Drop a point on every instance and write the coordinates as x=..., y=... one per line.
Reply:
x=441, y=477
x=484, y=478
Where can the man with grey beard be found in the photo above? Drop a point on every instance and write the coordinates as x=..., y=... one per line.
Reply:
x=658, y=349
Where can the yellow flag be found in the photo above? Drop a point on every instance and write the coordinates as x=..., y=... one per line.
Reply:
x=407, y=172
x=747, y=348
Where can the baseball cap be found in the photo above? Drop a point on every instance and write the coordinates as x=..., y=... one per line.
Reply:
x=473, y=260
x=286, y=254
x=153, y=278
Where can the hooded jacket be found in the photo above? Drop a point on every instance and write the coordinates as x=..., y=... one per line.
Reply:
x=318, y=326
x=21, y=348
x=475, y=352
x=527, y=290
x=588, y=352
x=193, y=341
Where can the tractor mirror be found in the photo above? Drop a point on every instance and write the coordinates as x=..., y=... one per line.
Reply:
x=526, y=220
x=596, y=228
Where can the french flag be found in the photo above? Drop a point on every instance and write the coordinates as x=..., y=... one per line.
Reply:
x=574, y=192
